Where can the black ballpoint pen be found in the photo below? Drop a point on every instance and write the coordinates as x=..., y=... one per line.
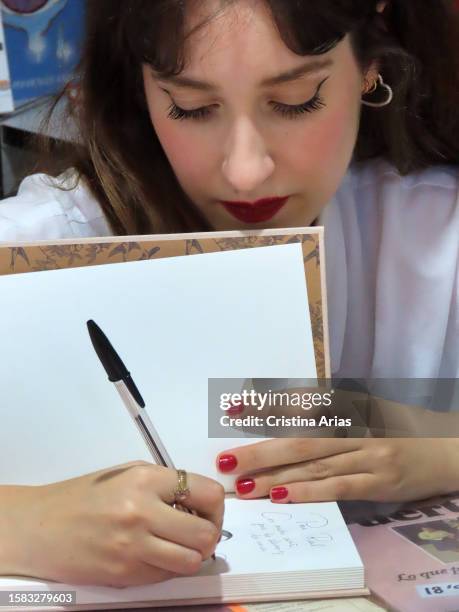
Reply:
x=121, y=378
x=119, y=375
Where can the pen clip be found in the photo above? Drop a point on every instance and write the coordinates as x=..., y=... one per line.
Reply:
x=130, y=384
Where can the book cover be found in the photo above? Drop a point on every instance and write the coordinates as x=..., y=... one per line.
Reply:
x=411, y=556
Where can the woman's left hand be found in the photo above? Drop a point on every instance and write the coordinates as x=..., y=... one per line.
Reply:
x=329, y=469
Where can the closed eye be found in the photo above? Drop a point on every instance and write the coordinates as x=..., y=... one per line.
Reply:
x=293, y=111
x=288, y=111
x=175, y=112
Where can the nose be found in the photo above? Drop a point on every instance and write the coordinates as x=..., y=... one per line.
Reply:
x=247, y=163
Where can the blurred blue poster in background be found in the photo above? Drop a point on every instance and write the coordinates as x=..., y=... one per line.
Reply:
x=43, y=40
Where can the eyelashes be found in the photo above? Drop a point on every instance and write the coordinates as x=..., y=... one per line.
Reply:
x=287, y=111
x=175, y=112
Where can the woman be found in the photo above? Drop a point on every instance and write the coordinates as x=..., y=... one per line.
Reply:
x=249, y=113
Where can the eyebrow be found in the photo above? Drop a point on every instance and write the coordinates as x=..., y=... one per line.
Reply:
x=286, y=77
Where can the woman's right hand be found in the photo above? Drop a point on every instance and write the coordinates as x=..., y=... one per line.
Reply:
x=114, y=527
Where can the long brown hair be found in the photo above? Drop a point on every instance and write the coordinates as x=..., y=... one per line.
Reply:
x=121, y=159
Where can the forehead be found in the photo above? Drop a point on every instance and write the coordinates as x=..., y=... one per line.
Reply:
x=239, y=34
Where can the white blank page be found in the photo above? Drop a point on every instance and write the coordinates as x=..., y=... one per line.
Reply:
x=175, y=323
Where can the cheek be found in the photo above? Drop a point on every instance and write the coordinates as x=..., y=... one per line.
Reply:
x=187, y=152
x=323, y=149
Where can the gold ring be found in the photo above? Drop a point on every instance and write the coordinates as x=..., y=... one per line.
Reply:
x=182, y=491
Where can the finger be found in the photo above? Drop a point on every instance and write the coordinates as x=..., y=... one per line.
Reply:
x=206, y=496
x=185, y=529
x=140, y=575
x=352, y=487
x=169, y=556
x=273, y=453
x=259, y=485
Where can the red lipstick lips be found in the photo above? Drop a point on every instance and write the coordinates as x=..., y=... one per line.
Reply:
x=255, y=212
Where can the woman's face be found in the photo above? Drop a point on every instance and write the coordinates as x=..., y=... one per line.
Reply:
x=249, y=120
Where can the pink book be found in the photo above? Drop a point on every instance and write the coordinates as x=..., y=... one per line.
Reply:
x=411, y=557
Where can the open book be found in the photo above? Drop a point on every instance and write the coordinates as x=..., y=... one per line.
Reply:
x=241, y=310
x=268, y=552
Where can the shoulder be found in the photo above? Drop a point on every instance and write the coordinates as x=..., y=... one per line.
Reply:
x=47, y=208
x=398, y=250
x=429, y=193
x=416, y=211
x=381, y=171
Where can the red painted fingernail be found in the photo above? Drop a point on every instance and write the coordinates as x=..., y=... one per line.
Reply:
x=235, y=409
x=227, y=463
x=244, y=486
x=279, y=493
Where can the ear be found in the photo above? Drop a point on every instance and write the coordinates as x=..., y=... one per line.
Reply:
x=370, y=77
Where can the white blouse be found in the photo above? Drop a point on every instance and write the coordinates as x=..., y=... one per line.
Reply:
x=392, y=252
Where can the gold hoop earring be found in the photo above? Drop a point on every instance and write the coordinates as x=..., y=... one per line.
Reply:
x=379, y=83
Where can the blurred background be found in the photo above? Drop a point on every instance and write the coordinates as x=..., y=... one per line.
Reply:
x=40, y=47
